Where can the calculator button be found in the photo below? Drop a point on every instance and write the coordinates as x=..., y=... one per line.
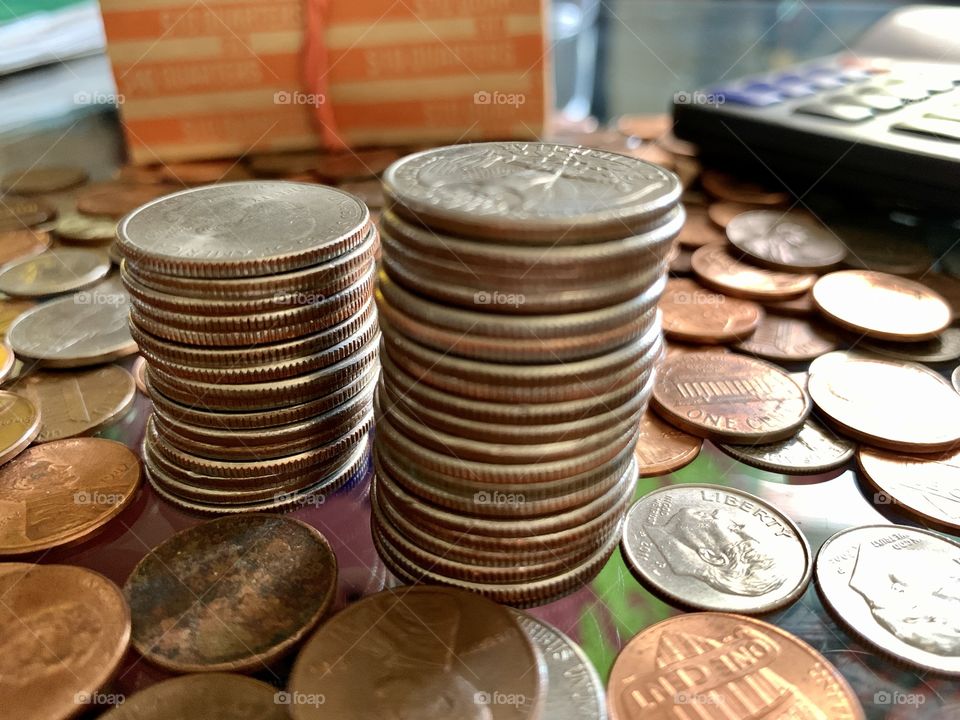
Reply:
x=795, y=89
x=846, y=113
x=941, y=129
x=826, y=82
x=897, y=87
x=876, y=101
x=741, y=96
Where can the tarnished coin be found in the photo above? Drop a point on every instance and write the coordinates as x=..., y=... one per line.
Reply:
x=87, y=328
x=116, y=199
x=898, y=589
x=427, y=652
x=662, y=449
x=716, y=548
x=715, y=266
x=881, y=305
x=887, y=249
x=52, y=273
x=20, y=213
x=890, y=404
x=943, y=348
x=207, y=696
x=574, y=690
x=927, y=485
x=18, y=244
x=729, y=397
x=724, y=186
x=62, y=492
x=784, y=240
x=65, y=630
x=537, y=193
x=690, y=665
x=19, y=425
x=721, y=213
x=78, y=403
x=74, y=227
x=235, y=593
x=692, y=313
x=698, y=229
x=218, y=230
x=813, y=450
x=787, y=339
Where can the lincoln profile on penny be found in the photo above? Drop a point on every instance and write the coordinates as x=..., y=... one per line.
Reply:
x=711, y=545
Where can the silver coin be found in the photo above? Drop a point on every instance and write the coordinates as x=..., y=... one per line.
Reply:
x=243, y=229
x=815, y=449
x=530, y=192
x=716, y=548
x=86, y=328
x=785, y=240
x=54, y=272
x=898, y=588
x=943, y=348
x=574, y=690
x=955, y=378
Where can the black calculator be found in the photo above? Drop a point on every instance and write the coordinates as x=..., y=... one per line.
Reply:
x=860, y=124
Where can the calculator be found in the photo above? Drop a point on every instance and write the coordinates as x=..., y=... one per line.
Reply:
x=880, y=122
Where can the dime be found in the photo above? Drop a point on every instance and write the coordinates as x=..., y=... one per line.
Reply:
x=40, y=180
x=530, y=192
x=692, y=664
x=925, y=485
x=716, y=548
x=813, y=450
x=897, y=588
x=427, y=652
x=882, y=306
x=19, y=425
x=785, y=339
x=116, y=199
x=55, y=272
x=235, y=593
x=218, y=230
x=662, y=449
x=943, y=348
x=574, y=690
x=698, y=230
x=87, y=328
x=78, y=403
x=724, y=186
x=721, y=213
x=18, y=244
x=715, y=266
x=206, y=696
x=729, y=397
x=784, y=240
x=691, y=313
x=65, y=631
x=893, y=405
x=20, y=213
x=63, y=491
x=882, y=249
x=74, y=227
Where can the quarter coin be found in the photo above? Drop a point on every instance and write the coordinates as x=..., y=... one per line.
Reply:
x=715, y=266
x=54, y=272
x=784, y=240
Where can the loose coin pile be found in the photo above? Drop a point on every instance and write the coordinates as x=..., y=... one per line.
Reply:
x=261, y=356
x=520, y=331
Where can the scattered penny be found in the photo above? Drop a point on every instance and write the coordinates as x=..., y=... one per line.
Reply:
x=680, y=262
x=943, y=348
x=64, y=491
x=355, y=164
x=677, y=348
x=235, y=593
x=729, y=397
x=785, y=240
x=692, y=313
x=285, y=164
x=724, y=186
x=140, y=374
x=65, y=631
x=698, y=230
x=882, y=306
x=947, y=287
x=721, y=213
x=800, y=306
x=54, y=272
x=19, y=425
x=40, y=180
x=659, y=672
x=18, y=244
x=20, y=213
x=715, y=266
x=116, y=199
x=890, y=404
x=141, y=174
x=786, y=339
x=662, y=449
x=813, y=450
x=205, y=172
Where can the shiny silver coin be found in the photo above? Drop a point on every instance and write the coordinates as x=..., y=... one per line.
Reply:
x=785, y=240
x=897, y=588
x=814, y=449
x=716, y=548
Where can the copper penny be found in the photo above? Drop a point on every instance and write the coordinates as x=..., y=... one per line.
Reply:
x=235, y=593
x=355, y=164
x=78, y=403
x=947, y=287
x=139, y=373
x=20, y=213
x=785, y=339
x=645, y=127
x=698, y=230
x=65, y=630
x=205, y=172
x=692, y=313
x=893, y=405
x=729, y=397
x=141, y=174
x=17, y=244
x=677, y=348
x=285, y=164
x=785, y=240
x=426, y=652
x=40, y=180
x=19, y=424
x=882, y=306
x=800, y=306
x=715, y=266
x=116, y=199
x=61, y=492
x=721, y=213
x=688, y=665
x=724, y=186
x=662, y=449
x=207, y=696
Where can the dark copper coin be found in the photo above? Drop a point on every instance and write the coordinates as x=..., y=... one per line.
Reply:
x=717, y=267
x=724, y=186
x=692, y=313
x=20, y=213
x=886, y=249
x=721, y=213
x=205, y=172
x=947, y=287
x=426, y=652
x=662, y=449
x=784, y=240
x=785, y=339
x=800, y=306
x=116, y=199
x=698, y=230
x=235, y=593
x=17, y=244
x=40, y=180
x=729, y=397
x=65, y=630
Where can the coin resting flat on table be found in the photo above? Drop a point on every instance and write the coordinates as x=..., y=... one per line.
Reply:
x=718, y=267
x=785, y=240
x=54, y=272
x=692, y=313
